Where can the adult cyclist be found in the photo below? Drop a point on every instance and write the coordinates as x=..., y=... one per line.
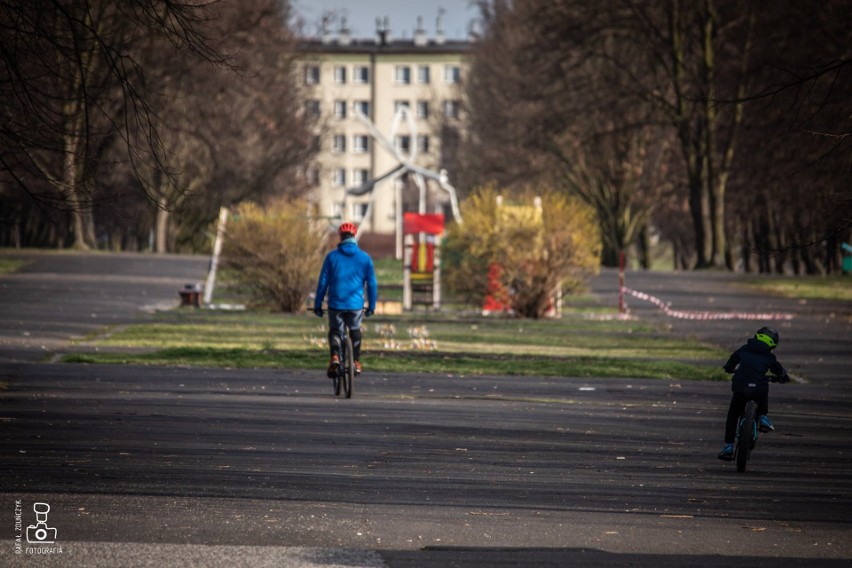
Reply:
x=345, y=272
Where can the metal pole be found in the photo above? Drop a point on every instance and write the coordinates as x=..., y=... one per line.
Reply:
x=406, y=274
x=399, y=216
x=621, y=308
x=436, y=273
x=217, y=250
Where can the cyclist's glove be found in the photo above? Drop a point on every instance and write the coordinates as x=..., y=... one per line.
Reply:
x=319, y=312
x=369, y=312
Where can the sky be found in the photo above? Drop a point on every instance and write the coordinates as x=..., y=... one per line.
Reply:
x=361, y=16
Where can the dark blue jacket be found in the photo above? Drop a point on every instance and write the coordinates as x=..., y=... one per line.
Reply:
x=749, y=365
x=344, y=273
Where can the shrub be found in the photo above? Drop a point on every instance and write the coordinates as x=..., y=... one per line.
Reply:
x=275, y=253
x=530, y=251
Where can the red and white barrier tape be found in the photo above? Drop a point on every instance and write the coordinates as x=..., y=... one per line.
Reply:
x=680, y=314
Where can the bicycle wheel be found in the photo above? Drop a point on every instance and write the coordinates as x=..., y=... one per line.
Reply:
x=336, y=380
x=348, y=367
x=745, y=439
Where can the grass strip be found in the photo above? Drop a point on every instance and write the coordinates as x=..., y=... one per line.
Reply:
x=834, y=287
x=435, y=343
x=11, y=265
x=397, y=362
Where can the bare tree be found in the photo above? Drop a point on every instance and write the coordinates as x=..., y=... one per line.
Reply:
x=69, y=86
x=231, y=135
x=578, y=81
x=790, y=189
x=175, y=131
x=547, y=104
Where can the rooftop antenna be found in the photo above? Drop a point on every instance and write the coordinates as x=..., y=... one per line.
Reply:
x=420, y=38
x=344, y=35
x=439, y=27
x=382, y=31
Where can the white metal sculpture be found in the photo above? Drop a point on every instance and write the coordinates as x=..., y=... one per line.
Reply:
x=405, y=165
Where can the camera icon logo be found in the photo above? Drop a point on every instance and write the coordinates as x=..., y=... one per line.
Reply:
x=40, y=533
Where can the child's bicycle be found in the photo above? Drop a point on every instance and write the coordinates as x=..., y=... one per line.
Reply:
x=748, y=432
x=346, y=369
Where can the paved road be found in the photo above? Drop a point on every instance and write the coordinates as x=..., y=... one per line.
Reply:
x=58, y=297
x=816, y=343
x=199, y=467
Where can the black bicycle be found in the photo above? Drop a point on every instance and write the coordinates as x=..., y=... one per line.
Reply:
x=345, y=375
x=747, y=434
x=748, y=430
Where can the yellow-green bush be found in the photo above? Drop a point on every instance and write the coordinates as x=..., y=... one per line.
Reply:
x=539, y=247
x=275, y=252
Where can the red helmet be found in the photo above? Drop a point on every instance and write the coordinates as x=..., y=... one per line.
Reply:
x=348, y=228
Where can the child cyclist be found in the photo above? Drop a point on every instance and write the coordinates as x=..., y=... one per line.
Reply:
x=749, y=365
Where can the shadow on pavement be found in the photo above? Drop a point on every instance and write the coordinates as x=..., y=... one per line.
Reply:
x=447, y=557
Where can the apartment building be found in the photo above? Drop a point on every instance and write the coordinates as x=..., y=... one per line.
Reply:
x=377, y=76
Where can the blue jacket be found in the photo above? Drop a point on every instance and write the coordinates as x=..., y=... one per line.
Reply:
x=749, y=365
x=344, y=273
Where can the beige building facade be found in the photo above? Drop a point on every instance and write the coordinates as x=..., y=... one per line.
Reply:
x=377, y=77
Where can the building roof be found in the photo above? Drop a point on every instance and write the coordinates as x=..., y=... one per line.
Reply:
x=373, y=46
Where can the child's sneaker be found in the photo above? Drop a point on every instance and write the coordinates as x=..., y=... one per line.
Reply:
x=332, y=366
x=764, y=424
x=357, y=367
x=727, y=452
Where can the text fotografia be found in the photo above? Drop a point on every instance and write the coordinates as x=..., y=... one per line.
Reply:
x=40, y=537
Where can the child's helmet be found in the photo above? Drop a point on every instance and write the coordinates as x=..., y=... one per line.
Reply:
x=348, y=228
x=768, y=336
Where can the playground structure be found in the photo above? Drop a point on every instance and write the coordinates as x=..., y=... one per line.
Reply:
x=407, y=167
x=421, y=282
x=418, y=235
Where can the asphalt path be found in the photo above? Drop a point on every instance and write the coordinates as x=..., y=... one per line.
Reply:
x=151, y=466
x=59, y=297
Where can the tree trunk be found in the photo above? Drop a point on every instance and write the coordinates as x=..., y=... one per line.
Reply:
x=715, y=191
x=698, y=211
x=644, y=243
x=71, y=189
x=745, y=248
x=162, y=228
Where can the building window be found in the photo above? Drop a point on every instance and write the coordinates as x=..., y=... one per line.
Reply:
x=340, y=75
x=339, y=143
x=360, y=176
x=422, y=109
x=312, y=108
x=360, y=143
x=361, y=74
x=359, y=211
x=363, y=106
x=423, y=143
x=339, y=177
x=339, y=109
x=402, y=75
x=403, y=143
x=452, y=73
x=400, y=104
x=451, y=109
x=423, y=76
x=312, y=74
x=313, y=176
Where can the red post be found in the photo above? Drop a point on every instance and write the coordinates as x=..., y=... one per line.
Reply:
x=621, y=308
